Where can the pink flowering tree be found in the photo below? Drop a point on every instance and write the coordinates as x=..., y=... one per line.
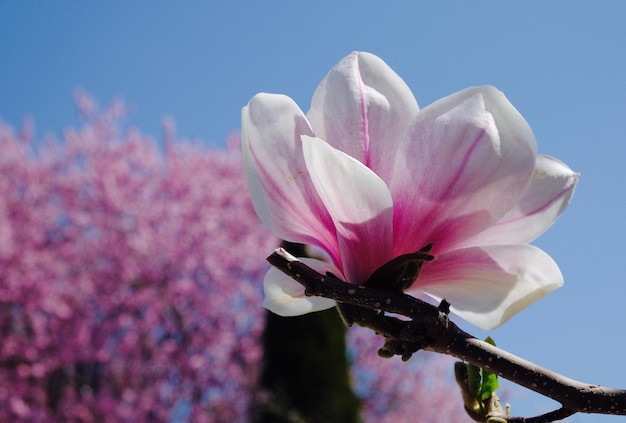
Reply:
x=397, y=391
x=130, y=285
x=443, y=200
x=115, y=278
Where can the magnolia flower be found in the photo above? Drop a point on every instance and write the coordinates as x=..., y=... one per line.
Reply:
x=367, y=176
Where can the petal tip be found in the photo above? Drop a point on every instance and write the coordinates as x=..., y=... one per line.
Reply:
x=285, y=297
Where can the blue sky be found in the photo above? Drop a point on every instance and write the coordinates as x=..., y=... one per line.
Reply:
x=561, y=63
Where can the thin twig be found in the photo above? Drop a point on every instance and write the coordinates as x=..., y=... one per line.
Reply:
x=552, y=416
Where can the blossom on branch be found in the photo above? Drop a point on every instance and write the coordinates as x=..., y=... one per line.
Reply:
x=367, y=176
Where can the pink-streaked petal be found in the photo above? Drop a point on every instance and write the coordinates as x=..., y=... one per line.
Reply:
x=466, y=161
x=359, y=203
x=548, y=194
x=279, y=183
x=362, y=107
x=285, y=297
x=488, y=285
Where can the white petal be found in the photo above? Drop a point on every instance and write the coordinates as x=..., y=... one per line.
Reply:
x=362, y=107
x=359, y=203
x=488, y=285
x=549, y=193
x=285, y=297
x=281, y=190
x=466, y=162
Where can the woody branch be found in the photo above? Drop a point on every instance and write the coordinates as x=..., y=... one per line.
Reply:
x=430, y=329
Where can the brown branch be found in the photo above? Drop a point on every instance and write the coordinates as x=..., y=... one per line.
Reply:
x=430, y=329
x=552, y=416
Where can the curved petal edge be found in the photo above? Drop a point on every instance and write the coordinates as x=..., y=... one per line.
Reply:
x=285, y=297
x=486, y=286
x=550, y=191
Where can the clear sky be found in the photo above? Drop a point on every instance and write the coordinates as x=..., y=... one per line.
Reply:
x=561, y=63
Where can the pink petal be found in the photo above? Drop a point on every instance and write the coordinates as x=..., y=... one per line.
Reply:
x=362, y=107
x=359, y=203
x=488, y=285
x=285, y=297
x=467, y=160
x=549, y=192
x=278, y=180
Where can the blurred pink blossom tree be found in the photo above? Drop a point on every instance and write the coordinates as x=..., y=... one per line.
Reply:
x=394, y=391
x=130, y=286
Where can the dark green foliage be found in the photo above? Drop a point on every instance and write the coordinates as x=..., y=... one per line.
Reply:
x=306, y=371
